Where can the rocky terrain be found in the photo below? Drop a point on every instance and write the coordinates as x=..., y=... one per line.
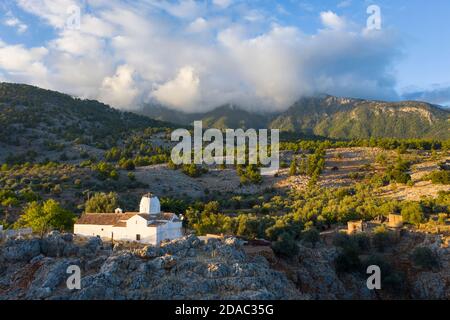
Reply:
x=182, y=269
x=189, y=268
x=313, y=272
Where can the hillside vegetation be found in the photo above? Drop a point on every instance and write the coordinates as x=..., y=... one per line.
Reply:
x=44, y=120
x=330, y=117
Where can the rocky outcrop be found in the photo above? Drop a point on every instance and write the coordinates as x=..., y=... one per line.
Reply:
x=188, y=268
x=185, y=268
x=314, y=273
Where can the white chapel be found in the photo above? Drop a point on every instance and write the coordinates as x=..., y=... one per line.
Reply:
x=149, y=225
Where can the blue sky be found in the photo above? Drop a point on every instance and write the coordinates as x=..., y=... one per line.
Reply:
x=195, y=55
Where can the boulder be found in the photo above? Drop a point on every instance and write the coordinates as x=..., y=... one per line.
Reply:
x=217, y=270
x=233, y=241
x=55, y=244
x=181, y=244
x=94, y=244
x=169, y=261
x=21, y=250
x=149, y=252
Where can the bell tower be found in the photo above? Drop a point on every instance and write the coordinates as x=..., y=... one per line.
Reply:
x=150, y=204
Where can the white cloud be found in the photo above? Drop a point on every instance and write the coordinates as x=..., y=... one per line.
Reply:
x=222, y=3
x=22, y=64
x=194, y=60
x=54, y=12
x=270, y=65
x=185, y=9
x=120, y=90
x=438, y=94
x=344, y=4
x=12, y=21
x=199, y=25
x=77, y=43
x=182, y=91
x=332, y=20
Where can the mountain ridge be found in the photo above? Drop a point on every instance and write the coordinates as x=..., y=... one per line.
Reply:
x=328, y=116
x=27, y=108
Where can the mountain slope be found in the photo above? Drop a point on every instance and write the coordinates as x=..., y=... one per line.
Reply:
x=353, y=118
x=330, y=117
x=227, y=116
x=32, y=118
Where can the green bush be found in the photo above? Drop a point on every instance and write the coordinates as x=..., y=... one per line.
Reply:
x=45, y=217
x=347, y=261
x=126, y=164
x=311, y=235
x=424, y=258
x=193, y=170
x=249, y=174
x=358, y=242
x=391, y=280
x=381, y=238
x=439, y=177
x=293, y=167
x=285, y=245
x=362, y=240
x=102, y=203
x=412, y=212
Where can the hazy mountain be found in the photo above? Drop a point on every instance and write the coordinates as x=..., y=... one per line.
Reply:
x=227, y=116
x=329, y=116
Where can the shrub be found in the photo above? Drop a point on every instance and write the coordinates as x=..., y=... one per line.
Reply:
x=381, y=238
x=439, y=177
x=114, y=175
x=45, y=217
x=249, y=174
x=102, y=202
x=171, y=165
x=362, y=240
x=293, y=168
x=442, y=218
x=412, y=212
x=126, y=164
x=358, y=242
x=311, y=235
x=394, y=281
x=424, y=258
x=193, y=170
x=285, y=245
x=341, y=240
x=105, y=170
x=391, y=279
x=347, y=261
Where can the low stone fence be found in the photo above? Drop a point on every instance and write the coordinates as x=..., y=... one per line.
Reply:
x=10, y=233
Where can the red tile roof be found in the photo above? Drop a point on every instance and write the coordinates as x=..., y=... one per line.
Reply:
x=119, y=219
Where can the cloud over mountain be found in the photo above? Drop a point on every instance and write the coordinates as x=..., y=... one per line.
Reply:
x=194, y=56
x=438, y=95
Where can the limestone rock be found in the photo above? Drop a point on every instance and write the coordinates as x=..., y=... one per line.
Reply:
x=19, y=250
x=430, y=285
